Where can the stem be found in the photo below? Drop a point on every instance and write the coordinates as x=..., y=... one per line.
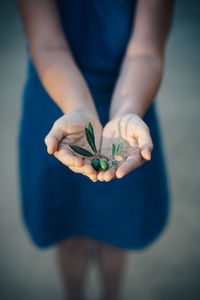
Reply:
x=103, y=156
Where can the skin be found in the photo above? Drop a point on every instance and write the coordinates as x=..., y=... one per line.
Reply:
x=135, y=89
x=62, y=80
x=137, y=85
x=137, y=144
x=69, y=130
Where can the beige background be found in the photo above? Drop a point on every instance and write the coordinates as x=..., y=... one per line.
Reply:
x=169, y=269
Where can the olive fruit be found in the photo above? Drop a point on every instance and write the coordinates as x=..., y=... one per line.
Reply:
x=104, y=165
x=96, y=164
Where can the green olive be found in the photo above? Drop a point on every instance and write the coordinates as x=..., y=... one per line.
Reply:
x=96, y=164
x=104, y=165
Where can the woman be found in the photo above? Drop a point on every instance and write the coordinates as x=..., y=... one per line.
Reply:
x=100, y=62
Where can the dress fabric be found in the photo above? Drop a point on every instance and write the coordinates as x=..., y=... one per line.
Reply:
x=58, y=204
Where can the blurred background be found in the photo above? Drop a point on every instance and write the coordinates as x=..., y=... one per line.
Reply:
x=169, y=269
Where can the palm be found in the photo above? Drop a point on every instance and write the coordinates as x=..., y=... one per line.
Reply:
x=116, y=131
x=127, y=150
x=70, y=130
x=74, y=126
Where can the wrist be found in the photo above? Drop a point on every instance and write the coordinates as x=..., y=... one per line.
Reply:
x=83, y=103
x=127, y=108
x=84, y=114
x=80, y=108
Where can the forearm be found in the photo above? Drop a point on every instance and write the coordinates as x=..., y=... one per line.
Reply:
x=62, y=79
x=137, y=85
x=142, y=69
x=51, y=55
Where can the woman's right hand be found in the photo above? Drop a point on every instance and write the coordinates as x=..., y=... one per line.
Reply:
x=70, y=130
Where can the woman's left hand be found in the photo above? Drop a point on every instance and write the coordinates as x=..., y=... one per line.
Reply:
x=137, y=144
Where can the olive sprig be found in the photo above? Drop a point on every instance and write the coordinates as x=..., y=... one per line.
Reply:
x=89, y=132
x=116, y=157
x=97, y=162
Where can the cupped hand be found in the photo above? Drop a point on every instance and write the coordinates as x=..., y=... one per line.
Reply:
x=70, y=130
x=137, y=144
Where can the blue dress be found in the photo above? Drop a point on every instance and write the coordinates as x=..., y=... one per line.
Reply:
x=58, y=204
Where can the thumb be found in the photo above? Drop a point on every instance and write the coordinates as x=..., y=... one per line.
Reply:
x=146, y=150
x=145, y=143
x=53, y=139
x=140, y=131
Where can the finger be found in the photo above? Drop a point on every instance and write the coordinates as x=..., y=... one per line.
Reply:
x=53, y=139
x=110, y=174
x=100, y=176
x=82, y=171
x=85, y=170
x=93, y=178
x=129, y=165
x=68, y=158
x=77, y=170
x=88, y=168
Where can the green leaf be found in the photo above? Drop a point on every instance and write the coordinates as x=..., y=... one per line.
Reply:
x=90, y=128
x=115, y=166
x=90, y=140
x=113, y=149
x=119, y=148
x=81, y=151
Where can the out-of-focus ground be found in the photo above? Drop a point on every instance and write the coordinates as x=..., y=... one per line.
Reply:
x=169, y=269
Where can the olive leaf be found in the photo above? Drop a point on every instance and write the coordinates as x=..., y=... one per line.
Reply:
x=90, y=140
x=118, y=157
x=115, y=166
x=81, y=151
x=113, y=149
x=90, y=128
x=119, y=148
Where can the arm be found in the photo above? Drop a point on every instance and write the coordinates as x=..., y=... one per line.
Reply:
x=136, y=87
x=51, y=56
x=142, y=68
x=62, y=80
